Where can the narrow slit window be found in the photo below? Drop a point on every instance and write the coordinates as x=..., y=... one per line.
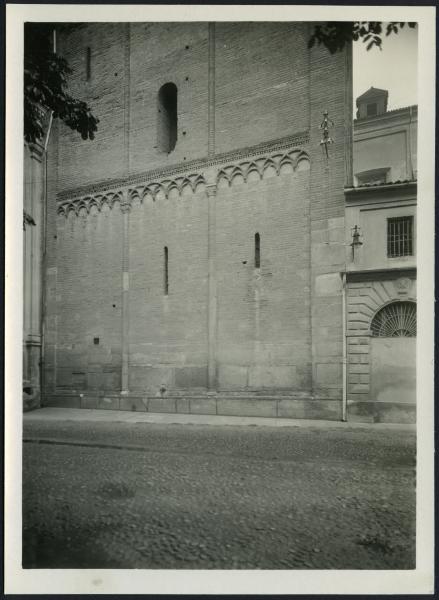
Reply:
x=88, y=63
x=257, y=251
x=166, y=273
x=167, y=118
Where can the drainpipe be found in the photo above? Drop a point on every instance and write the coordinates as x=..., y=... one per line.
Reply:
x=345, y=396
x=44, y=245
x=43, y=262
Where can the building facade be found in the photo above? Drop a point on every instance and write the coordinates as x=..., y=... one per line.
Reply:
x=381, y=263
x=195, y=249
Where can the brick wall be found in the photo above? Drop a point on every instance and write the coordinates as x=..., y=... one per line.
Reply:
x=262, y=82
x=168, y=333
x=261, y=85
x=330, y=90
x=77, y=159
x=278, y=327
x=263, y=314
x=88, y=296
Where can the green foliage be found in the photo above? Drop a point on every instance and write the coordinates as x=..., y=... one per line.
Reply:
x=45, y=87
x=335, y=35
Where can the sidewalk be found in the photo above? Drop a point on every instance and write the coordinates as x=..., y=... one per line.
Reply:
x=118, y=416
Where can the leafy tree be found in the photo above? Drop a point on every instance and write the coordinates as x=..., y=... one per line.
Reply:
x=45, y=87
x=336, y=34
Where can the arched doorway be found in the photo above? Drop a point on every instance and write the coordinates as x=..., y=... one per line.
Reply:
x=393, y=353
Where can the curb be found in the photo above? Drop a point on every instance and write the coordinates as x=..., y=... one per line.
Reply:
x=112, y=416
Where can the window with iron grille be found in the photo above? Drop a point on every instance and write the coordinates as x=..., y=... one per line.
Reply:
x=400, y=236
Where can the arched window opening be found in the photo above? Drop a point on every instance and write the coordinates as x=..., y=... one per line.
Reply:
x=257, y=251
x=167, y=118
x=397, y=319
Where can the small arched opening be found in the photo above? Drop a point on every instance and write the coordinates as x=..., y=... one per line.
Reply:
x=167, y=118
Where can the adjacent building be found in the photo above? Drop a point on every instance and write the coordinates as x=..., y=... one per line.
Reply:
x=381, y=262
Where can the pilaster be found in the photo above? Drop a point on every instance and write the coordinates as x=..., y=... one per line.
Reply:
x=127, y=96
x=212, y=291
x=348, y=117
x=125, y=208
x=211, y=92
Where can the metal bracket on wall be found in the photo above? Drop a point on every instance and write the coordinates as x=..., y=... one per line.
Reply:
x=326, y=138
x=356, y=242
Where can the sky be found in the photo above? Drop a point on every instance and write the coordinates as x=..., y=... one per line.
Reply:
x=394, y=68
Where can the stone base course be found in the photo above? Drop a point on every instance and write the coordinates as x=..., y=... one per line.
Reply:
x=227, y=404
x=245, y=405
x=381, y=412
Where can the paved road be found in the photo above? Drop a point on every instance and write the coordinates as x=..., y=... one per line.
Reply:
x=204, y=497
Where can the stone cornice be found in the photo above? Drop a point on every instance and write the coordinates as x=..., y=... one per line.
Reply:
x=385, y=190
x=402, y=117
x=381, y=274
x=181, y=169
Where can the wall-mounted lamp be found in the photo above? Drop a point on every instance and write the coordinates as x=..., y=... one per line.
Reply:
x=326, y=138
x=356, y=243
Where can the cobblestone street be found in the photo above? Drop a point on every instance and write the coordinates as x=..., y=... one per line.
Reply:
x=142, y=495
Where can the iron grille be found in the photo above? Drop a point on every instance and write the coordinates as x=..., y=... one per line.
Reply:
x=397, y=319
x=400, y=236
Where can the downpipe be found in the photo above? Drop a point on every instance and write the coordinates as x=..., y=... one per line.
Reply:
x=345, y=395
x=43, y=266
x=44, y=249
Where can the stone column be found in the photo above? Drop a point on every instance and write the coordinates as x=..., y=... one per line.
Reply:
x=212, y=298
x=125, y=208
